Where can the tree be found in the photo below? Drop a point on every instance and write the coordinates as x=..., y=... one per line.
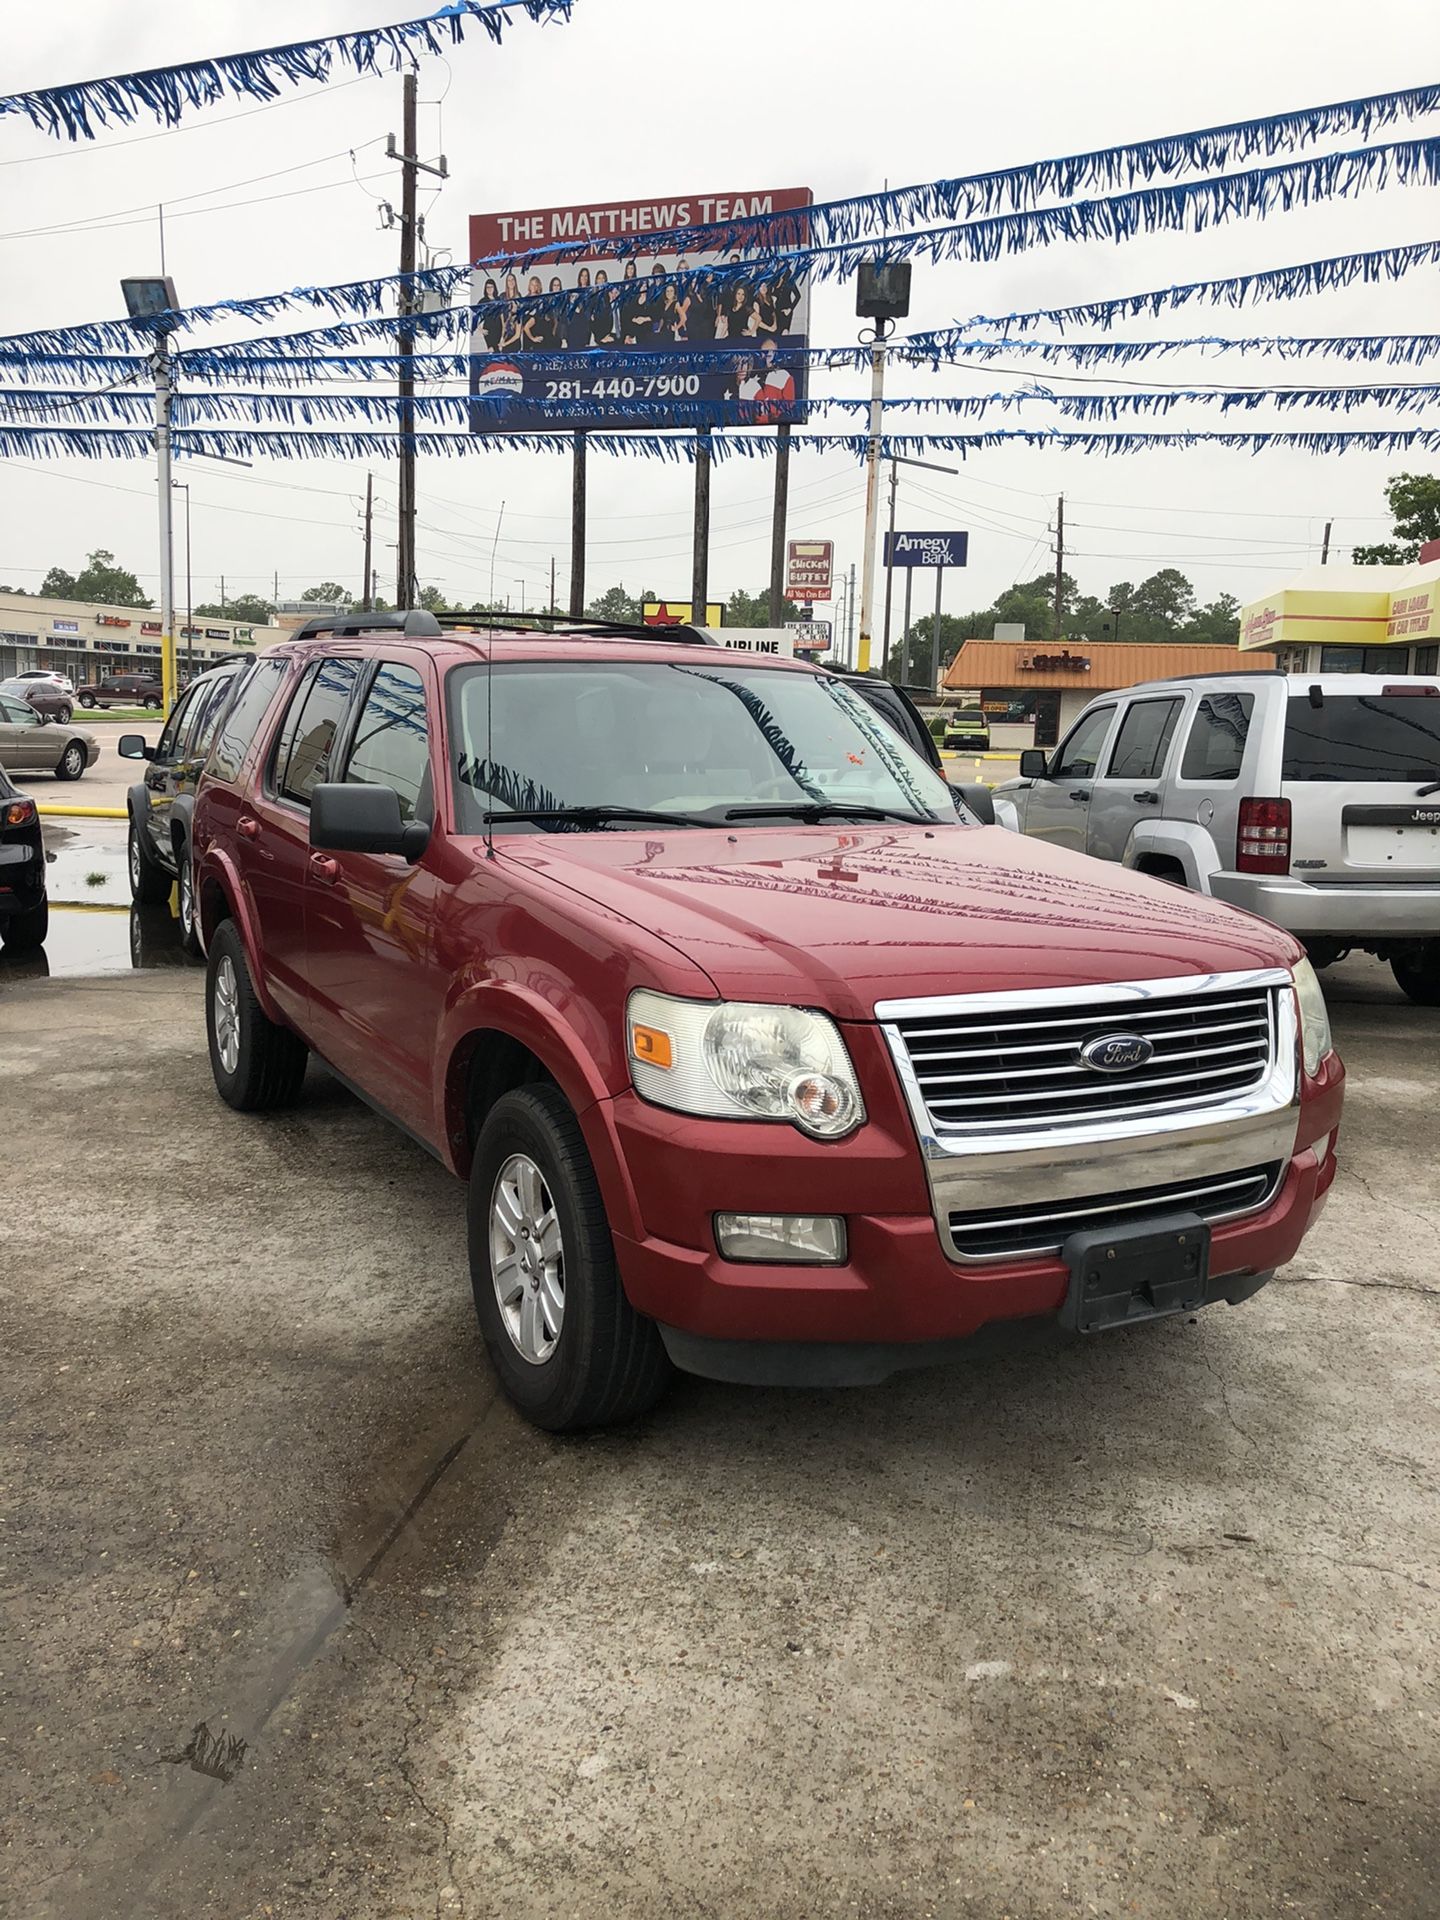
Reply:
x=914, y=671
x=1215, y=625
x=246, y=607
x=20, y=591
x=433, y=601
x=753, y=609
x=328, y=594
x=100, y=582
x=616, y=604
x=1414, y=502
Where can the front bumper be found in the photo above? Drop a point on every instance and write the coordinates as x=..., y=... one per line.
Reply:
x=1338, y=912
x=899, y=1297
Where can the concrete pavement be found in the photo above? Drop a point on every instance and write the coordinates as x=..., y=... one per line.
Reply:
x=298, y=1619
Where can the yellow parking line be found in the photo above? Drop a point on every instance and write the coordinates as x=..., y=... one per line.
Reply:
x=88, y=906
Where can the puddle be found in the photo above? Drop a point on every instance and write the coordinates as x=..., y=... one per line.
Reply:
x=93, y=939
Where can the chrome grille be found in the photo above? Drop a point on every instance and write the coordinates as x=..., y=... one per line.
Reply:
x=1012, y=1232
x=1016, y=1067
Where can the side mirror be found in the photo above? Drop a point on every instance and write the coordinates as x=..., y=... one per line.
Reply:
x=348, y=817
x=131, y=746
x=979, y=800
x=1034, y=764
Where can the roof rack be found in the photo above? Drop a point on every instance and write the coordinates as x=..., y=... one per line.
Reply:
x=417, y=624
x=488, y=621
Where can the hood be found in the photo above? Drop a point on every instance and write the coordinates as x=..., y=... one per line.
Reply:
x=842, y=918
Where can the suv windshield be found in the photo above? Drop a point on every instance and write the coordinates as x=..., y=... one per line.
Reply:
x=1368, y=736
x=658, y=736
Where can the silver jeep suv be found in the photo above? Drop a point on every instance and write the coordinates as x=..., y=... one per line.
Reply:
x=1310, y=799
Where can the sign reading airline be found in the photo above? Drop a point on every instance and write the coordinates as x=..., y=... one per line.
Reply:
x=926, y=549
x=808, y=569
x=522, y=375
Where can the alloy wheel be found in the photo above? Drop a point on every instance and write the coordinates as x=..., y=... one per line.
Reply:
x=227, y=1014
x=527, y=1259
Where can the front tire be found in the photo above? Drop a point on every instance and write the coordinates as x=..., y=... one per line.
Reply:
x=189, y=918
x=149, y=883
x=151, y=704
x=72, y=762
x=257, y=1065
x=23, y=932
x=1417, y=973
x=67, y=714
x=570, y=1350
x=87, y=699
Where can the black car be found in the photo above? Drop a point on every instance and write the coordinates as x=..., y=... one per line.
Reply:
x=161, y=805
x=894, y=704
x=24, y=908
x=124, y=690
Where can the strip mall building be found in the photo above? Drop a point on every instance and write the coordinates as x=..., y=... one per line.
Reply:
x=88, y=642
x=1351, y=619
x=1031, y=690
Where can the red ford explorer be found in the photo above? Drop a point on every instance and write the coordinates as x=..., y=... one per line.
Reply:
x=761, y=1055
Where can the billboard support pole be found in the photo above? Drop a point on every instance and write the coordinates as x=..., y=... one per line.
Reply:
x=777, y=534
x=935, y=632
x=890, y=558
x=700, y=577
x=872, y=501
x=577, y=530
x=405, y=550
x=905, y=648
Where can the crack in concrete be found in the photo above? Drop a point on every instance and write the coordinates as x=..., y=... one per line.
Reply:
x=1347, y=1172
x=1335, y=1280
x=1219, y=1378
x=404, y=1766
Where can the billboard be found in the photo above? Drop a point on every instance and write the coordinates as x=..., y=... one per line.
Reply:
x=808, y=568
x=676, y=613
x=926, y=549
x=629, y=309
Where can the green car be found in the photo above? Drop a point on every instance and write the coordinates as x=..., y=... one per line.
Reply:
x=966, y=730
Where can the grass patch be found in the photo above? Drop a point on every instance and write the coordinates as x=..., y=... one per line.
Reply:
x=97, y=879
x=86, y=716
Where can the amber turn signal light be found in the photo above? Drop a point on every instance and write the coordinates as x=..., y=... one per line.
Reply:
x=652, y=1045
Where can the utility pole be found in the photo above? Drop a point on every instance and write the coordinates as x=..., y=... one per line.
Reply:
x=369, y=541
x=777, y=527
x=553, y=607
x=872, y=499
x=1325, y=547
x=411, y=166
x=167, y=519
x=276, y=590
x=850, y=618
x=1059, y=568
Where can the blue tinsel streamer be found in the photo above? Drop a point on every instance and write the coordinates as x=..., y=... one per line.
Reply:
x=1191, y=206
x=76, y=111
x=92, y=442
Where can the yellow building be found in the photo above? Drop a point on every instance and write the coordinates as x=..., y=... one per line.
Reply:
x=1350, y=620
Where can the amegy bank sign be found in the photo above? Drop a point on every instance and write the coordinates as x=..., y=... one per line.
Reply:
x=926, y=549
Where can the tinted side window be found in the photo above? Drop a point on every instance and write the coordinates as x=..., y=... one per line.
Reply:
x=1080, y=755
x=217, y=690
x=174, y=728
x=242, y=722
x=302, y=756
x=392, y=738
x=1217, y=737
x=1143, y=740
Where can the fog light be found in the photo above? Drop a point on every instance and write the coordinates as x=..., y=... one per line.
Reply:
x=782, y=1239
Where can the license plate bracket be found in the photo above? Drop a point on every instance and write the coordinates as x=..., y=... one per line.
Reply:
x=1127, y=1275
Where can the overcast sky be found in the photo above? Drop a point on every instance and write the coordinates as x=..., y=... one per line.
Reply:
x=636, y=98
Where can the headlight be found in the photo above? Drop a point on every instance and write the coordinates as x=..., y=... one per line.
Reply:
x=734, y=1060
x=1315, y=1041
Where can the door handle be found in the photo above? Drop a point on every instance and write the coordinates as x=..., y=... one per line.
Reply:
x=1080, y=793
x=248, y=826
x=1150, y=799
x=322, y=867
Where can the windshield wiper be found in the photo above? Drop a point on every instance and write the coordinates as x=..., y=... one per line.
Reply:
x=813, y=811
x=599, y=816
x=1422, y=793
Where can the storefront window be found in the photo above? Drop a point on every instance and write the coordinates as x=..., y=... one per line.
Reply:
x=1427, y=659
x=1364, y=659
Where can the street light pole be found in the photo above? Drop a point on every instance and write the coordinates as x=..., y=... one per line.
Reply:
x=167, y=519
x=872, y=496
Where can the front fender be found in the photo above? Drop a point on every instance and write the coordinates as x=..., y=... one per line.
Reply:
x=1182, y=840
x=1007, y=813
x=220, y=895
x=503, y=1008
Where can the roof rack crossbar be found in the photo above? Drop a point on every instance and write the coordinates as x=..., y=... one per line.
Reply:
x=489, y=621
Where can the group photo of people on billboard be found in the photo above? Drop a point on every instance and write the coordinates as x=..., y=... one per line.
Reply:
x=661, y=303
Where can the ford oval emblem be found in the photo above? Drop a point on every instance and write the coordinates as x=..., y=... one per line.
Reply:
x=1117, y=1052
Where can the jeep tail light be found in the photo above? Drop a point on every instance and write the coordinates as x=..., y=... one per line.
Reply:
x=1263, y=842
x=19, y=813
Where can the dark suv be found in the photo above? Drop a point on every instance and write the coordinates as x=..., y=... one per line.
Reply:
x=760, y=1055
x=124, y=690
x=161, y=805
x=24, y=907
